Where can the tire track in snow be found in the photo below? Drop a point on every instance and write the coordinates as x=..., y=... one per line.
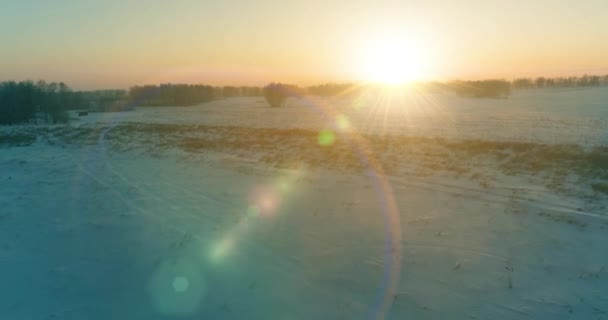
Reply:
x=129, y=203
x=154, y=195
x=494, y=196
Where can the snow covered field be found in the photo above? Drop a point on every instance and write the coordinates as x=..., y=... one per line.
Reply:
x=571, y=115
x=409, y=207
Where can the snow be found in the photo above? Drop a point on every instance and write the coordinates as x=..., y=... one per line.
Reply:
x=119, y=221
x=571, y=115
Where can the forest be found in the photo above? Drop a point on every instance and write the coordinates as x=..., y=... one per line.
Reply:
x=48, y=102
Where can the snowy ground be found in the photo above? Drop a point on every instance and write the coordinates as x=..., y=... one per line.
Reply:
x=571, y=115
x=233, y=210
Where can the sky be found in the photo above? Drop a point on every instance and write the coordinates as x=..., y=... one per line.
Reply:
x=117, y=44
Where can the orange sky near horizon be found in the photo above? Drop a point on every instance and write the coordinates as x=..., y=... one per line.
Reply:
x=116, y=44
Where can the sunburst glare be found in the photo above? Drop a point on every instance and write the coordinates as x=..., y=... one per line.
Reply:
x=394, y=58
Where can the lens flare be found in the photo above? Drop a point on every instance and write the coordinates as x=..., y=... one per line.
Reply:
x=266, y=199
x=177, y=288
x=326, y=138
x=180, y=284
x=253, y=211
x=389, y=283
x=264, y=202
x=342, y=122
x=283, y=185
x=221, y=249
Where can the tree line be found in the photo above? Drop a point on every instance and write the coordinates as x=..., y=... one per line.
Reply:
x=490, y=88
x=48, y=102
x=170, y=95
x=560, y=82
x=481, y=89
x=501, y=88
x=332, y=89
x=42, y=102
x=28, y=101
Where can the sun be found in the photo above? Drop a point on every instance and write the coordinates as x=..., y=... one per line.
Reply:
x=394, y=60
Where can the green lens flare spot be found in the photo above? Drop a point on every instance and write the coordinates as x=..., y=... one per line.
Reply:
x=326, y=138
x=180, y=284
x=253, y=211
x=221, y=249
x=342, y=122
x=283, y=185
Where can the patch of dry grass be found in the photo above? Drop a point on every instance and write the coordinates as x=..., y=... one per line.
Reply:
x=395, y=154
x=289, y=145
